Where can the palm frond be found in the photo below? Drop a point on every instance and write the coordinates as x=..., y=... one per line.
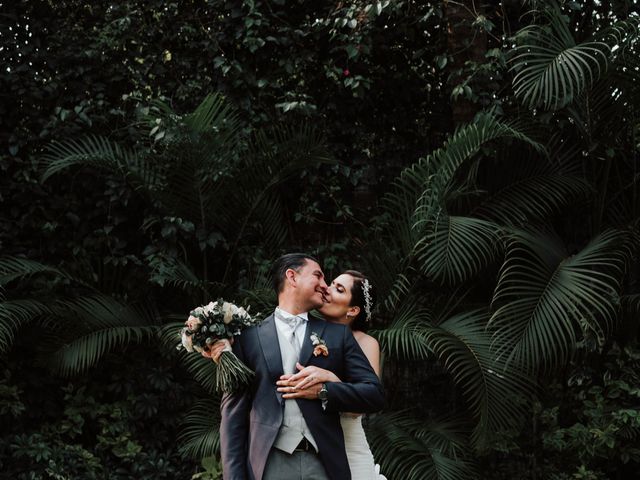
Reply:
x=276, y=156
x=490, y=387
x=419, y=194
x=13, y=268
x=95, y=151
x=418, y=199
x=399, y=289
x=407, y=336
x=545, y=297
x=94, y=326
x=552, y=70
x=171, y=271
x=457, y=248
x=463, y=145
x=14, y=315
x=631, y=302
x=533, y=198
x=391, y=272
x=200, y=435
x=272, y=223
x=85, y=351
x=422, y=450
x=214, y=114
x=202, y=369
x=103, y=154
x=169, y=334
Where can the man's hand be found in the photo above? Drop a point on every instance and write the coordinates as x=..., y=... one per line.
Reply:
x=310, y=393
x=306, y=383
x=216, y=349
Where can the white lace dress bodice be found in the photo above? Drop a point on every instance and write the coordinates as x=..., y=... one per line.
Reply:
x=359, y=454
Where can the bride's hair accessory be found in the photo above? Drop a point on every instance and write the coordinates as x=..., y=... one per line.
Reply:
x=366, y=286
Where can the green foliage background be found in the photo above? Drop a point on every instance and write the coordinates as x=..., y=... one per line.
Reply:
x=479, y=162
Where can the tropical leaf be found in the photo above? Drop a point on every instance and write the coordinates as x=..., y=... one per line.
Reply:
x=551, y=69
x=631, y=303
x=92, y=327
x=171, y=271
x=422, y=450
x=545, y=297
x=533, y=198
x=407, y=336
x=438, y=172
x=392, y=274
x=493, y=390
x=15, y=315
x=169, y=333
x=214, y=114
x=202, y=369
x=420, y=192
x=457, y=248
x=418, y=200
x=200, y=435
x=13, y=268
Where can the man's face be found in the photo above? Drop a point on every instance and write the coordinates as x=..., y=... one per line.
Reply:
x=311, y=289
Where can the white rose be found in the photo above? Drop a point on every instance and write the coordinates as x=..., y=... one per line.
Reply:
x=187, y=341
x=228, y=309
x=210, y=307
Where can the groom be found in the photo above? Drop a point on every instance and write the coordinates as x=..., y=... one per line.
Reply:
x=262, y=435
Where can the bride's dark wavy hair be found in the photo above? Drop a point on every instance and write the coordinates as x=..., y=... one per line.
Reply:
x=357, y=299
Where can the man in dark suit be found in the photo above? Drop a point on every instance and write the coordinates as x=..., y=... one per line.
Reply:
x=262, y=435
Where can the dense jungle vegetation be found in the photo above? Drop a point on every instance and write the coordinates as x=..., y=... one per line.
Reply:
x=479, y=160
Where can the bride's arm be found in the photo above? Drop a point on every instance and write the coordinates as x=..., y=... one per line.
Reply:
x=312, y=375
x=304, y=379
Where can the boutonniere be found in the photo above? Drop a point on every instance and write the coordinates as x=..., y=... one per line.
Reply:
x=319, y=345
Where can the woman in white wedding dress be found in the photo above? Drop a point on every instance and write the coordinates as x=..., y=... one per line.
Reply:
x=351, y=304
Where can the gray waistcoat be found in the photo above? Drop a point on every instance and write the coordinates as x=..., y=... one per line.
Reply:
x=293, y=428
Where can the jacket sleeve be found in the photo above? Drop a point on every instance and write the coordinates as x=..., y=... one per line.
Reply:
x=360, y=390
x=234, y=428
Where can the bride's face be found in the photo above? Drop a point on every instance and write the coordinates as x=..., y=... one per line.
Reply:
x=340, y=305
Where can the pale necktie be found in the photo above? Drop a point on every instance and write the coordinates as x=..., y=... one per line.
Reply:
x=294, y=338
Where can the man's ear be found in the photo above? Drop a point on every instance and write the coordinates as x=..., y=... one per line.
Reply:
x=290, y=275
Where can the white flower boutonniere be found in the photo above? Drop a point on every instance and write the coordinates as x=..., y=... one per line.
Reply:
x=319, y=345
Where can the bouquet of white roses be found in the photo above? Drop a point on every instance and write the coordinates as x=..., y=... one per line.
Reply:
x=219, y=320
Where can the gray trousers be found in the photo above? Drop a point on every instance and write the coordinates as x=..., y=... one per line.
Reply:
x=297, y=466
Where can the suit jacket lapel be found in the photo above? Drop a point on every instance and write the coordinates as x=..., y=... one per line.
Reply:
x=314, y=325
x=268, y=337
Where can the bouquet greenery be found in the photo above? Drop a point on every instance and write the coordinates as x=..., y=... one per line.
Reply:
x=219, y=320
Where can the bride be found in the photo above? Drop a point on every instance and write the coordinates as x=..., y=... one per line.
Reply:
x=351, y=303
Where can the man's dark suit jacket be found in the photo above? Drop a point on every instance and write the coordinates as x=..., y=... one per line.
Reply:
x=251, y=419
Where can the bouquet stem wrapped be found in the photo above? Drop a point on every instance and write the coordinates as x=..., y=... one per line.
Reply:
x=232, y=374
x=219, y=320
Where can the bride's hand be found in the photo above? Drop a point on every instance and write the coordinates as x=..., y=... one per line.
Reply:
x=305, y=378
x=216, y=349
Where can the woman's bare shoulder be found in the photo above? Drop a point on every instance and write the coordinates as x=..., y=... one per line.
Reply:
x=365, y=340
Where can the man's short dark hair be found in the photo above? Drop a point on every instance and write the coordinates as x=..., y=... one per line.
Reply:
x=295, y=261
